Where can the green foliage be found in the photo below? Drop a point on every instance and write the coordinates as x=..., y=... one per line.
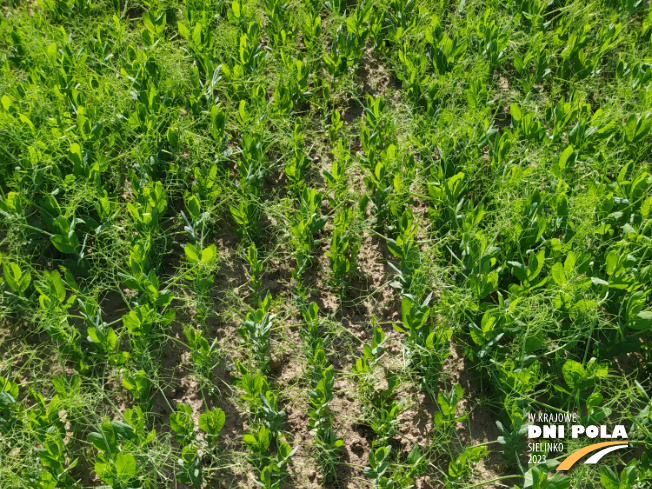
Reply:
x=212, y=423
x=17, y=279
x=202, y=353
x=512, y=435
x=486, y=193
x=448, y=402
x=378, y=464
x=322, y=381
x=581, y=378
x=344, y=248
x=116, y=442
x=303, y=225
x=255, y=269
x=255, y=332
x=100, y=334
x=610, y=479
x=463, y=463
x=297, y=165
x=8, y=403
x=538, y=479
x=182, y=423
x=138, y=383
x=348, y=42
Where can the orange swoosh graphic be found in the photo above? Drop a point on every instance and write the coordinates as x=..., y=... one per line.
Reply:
x=575, y=456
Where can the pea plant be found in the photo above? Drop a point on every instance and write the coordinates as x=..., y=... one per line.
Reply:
x=183, y=424
x=322, y=381
x=344, y=248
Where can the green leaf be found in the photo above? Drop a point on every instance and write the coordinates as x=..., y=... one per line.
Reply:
x=251, y=441
x=574, y=373
x=212, y=421
x=192, y=253
x=535, y=265
x=361, y=365
x=98, y=441
x=628, y=477
x=519, y=270
x=209, y=255
x=75, y=155
x=62, y=244
x=609, y=479
x=242, y=110
x=558, y=273
x=598, y=281
x=123, y=429
x=57, y=283
x=17, y=279
x=398, y=328
x=183, y=30
x=193, y=206
x=394, y=248
x=558, y=481
x=6, y=400
x=94, y=335
x=125, y=465
x=197, y=35
x=6, y=102
x=559, y=168
x=218, y=121
x=235, y=6
x=148, y=20
x=518, y=63
x=173, y=137
x=630, y=128
x=181, y=421
x=515, y=111
x=642, y=321
x=25, y=119
x=417, y=461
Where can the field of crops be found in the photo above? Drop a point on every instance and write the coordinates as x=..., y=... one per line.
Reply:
x=329, y=244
